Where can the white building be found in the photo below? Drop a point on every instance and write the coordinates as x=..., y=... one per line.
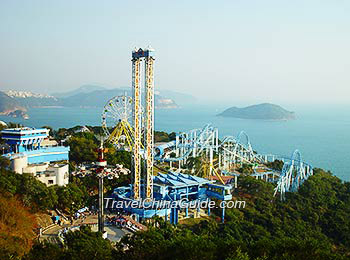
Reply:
x=50, y=174
x=82, y=129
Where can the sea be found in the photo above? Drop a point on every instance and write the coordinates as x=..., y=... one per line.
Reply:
x=321, y=134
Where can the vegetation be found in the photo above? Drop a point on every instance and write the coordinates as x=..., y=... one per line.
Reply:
x=83, y=244
x=114, y=157
x=37, y=196
x=194, y=163
x=160, y=136
x=275, y=165
x=246, y=169
x=311, y=224
x=16, y=227
x=83, y=148
x=263, y=111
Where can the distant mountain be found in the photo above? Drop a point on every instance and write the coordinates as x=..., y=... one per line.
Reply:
x=265, y=111
x=26, y=94
x=29, y=99
x=180, y=98
x=80, y=90
x=84, y=96
x=96, y=98
x=99, y=98
x=9, y=106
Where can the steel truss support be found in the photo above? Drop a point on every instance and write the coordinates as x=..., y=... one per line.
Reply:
x=136, y=91
x=149, y=139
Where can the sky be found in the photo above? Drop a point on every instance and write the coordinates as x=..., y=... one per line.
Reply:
x=238, y=51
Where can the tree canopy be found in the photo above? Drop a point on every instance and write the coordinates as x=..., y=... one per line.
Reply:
x=16, y=227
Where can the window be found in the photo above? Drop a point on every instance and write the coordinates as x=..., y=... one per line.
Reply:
x=50, y=182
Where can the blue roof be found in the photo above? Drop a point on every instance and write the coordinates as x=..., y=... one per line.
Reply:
x=169, y=181
x=180, y=179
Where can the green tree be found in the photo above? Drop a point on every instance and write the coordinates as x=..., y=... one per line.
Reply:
x=71, y=197
x=51, y=132
x=4, y=162
x=83, y=148
x=114, y=157
x=45, y=251
x=85, y=244
x=275, y=165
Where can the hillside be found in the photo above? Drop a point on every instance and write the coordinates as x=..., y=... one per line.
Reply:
x=10, y=106
x=29, y=99
x=265, y=111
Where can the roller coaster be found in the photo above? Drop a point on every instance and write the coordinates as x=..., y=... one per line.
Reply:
x=295, y=171
x=232, y=152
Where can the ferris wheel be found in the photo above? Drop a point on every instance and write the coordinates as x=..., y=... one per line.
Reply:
x=116, y=115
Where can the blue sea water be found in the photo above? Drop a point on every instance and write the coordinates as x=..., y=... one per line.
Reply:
x=321, y=135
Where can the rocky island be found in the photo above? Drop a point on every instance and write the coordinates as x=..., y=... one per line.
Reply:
x=265, y=111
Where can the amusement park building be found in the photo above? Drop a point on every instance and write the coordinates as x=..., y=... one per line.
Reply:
x=30, y=151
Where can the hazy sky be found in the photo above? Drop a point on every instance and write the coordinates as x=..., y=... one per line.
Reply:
x=245, y=51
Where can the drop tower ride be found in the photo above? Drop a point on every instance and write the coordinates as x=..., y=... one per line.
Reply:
x=145, y=56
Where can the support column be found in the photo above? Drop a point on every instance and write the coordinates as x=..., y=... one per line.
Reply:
x=100, y=205
x=217, y=140
x=149, y=126
x=137, y=127
x=211, y=161
x=177, y=145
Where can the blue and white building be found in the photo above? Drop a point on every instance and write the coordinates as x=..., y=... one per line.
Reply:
x=175, y=187
x=49, y=163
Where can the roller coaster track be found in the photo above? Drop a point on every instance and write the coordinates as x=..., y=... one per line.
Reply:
x=294, y=173
x=232, y=151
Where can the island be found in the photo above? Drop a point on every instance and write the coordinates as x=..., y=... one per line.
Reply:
x=265, y=111
x=18, y=113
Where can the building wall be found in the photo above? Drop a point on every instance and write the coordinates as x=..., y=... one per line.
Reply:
x=17, y=164
x=48, y=174
x=55, y=175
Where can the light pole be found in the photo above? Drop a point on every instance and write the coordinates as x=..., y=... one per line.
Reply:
x=101, y=164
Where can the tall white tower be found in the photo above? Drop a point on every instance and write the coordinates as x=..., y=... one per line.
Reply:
x=146, y=55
